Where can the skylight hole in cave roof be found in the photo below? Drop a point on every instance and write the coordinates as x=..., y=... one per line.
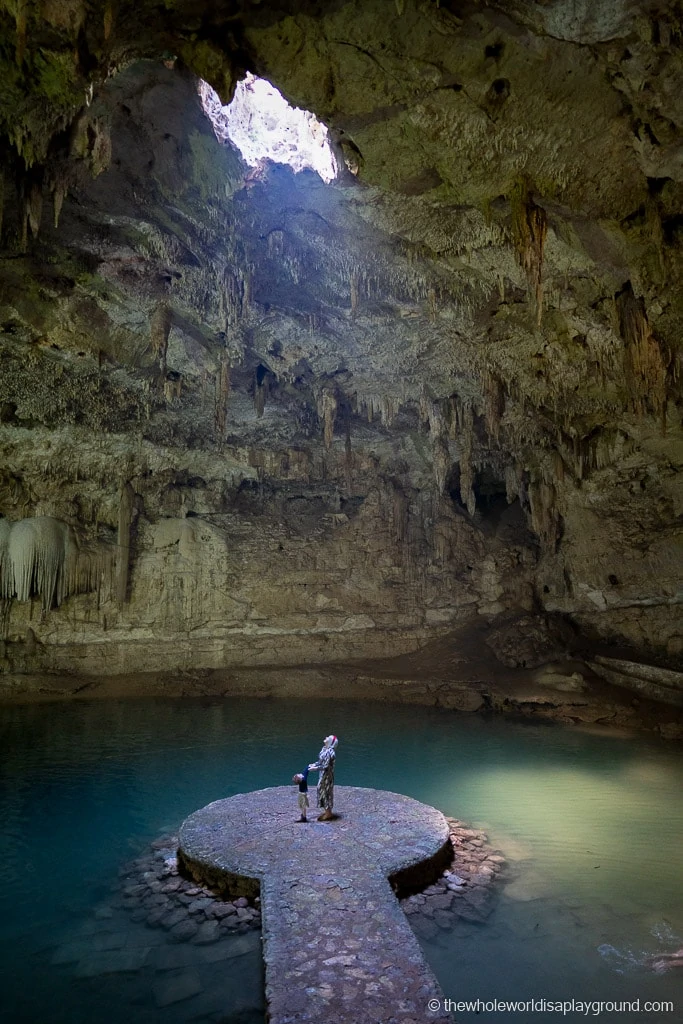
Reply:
x=262, y=125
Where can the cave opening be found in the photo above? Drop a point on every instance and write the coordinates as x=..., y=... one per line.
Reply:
x=264, y=127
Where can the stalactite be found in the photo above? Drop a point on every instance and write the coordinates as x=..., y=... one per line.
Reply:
x=108, y=20
x=441, y=463
x=275, y=243
x=23, y=226
x=173, y=386
x=558, y=465
x=232, y=297
x=467, y=495
x=21, y=23
x=425, y=407
x=261, y=389
x=370, y=405
x=36, y=554
x=400, y=516
x=348, y=458
x=222, y=395
x=529, y=230
x=58, y=195
x=6, y=583
x=512, y=477
x=99, y=151
x=645, y=368
x=579, y=452
x=35, y=208
x=327, y=412
x=354, y=281
x=126, y=505
x=41, y=555
x=494, y=403
x=2, y=198
x=453, y=416
x=159, y=330
x=545, y=520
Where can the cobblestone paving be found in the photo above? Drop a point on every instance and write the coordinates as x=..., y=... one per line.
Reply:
x=337, y=946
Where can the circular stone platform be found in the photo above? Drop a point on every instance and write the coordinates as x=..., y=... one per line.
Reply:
x=337, y=946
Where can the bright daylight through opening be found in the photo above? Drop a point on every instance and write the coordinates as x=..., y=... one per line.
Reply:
x=263, y=126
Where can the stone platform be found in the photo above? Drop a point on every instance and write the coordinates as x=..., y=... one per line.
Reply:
x=337, y=946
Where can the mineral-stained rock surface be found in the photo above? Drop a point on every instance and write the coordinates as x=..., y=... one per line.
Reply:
x=282, y=421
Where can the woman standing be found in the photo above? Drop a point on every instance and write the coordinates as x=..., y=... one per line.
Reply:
x=325, y=765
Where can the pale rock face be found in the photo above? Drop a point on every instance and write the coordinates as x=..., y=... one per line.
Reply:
x=438, y=397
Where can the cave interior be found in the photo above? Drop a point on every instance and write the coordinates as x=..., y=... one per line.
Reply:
x=411, y=428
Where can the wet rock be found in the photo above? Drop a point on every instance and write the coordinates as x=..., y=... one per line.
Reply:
x=174, y=958
x=442, y=901
x=183, y=931
x=134, y=890
x=173, y=918
x=221, y=910
x=157, y=900
x=174, y=990
x=71, y=952
x=471, y=914
x=203, y=903
x=208, y=932
x=114, y=962
x=424, y=928
x=155, y=918
x=102, y=943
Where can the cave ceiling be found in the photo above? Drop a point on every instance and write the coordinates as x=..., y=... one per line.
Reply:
x=488, y=295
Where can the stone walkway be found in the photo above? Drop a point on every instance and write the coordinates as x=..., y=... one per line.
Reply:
x=337, y=946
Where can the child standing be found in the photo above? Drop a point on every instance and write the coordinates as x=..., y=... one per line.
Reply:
x=302, y=779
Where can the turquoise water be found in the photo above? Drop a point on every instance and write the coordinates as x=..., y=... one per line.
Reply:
x=592, y=825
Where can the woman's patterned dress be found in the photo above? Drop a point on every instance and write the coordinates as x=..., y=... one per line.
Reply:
x=325, y=764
